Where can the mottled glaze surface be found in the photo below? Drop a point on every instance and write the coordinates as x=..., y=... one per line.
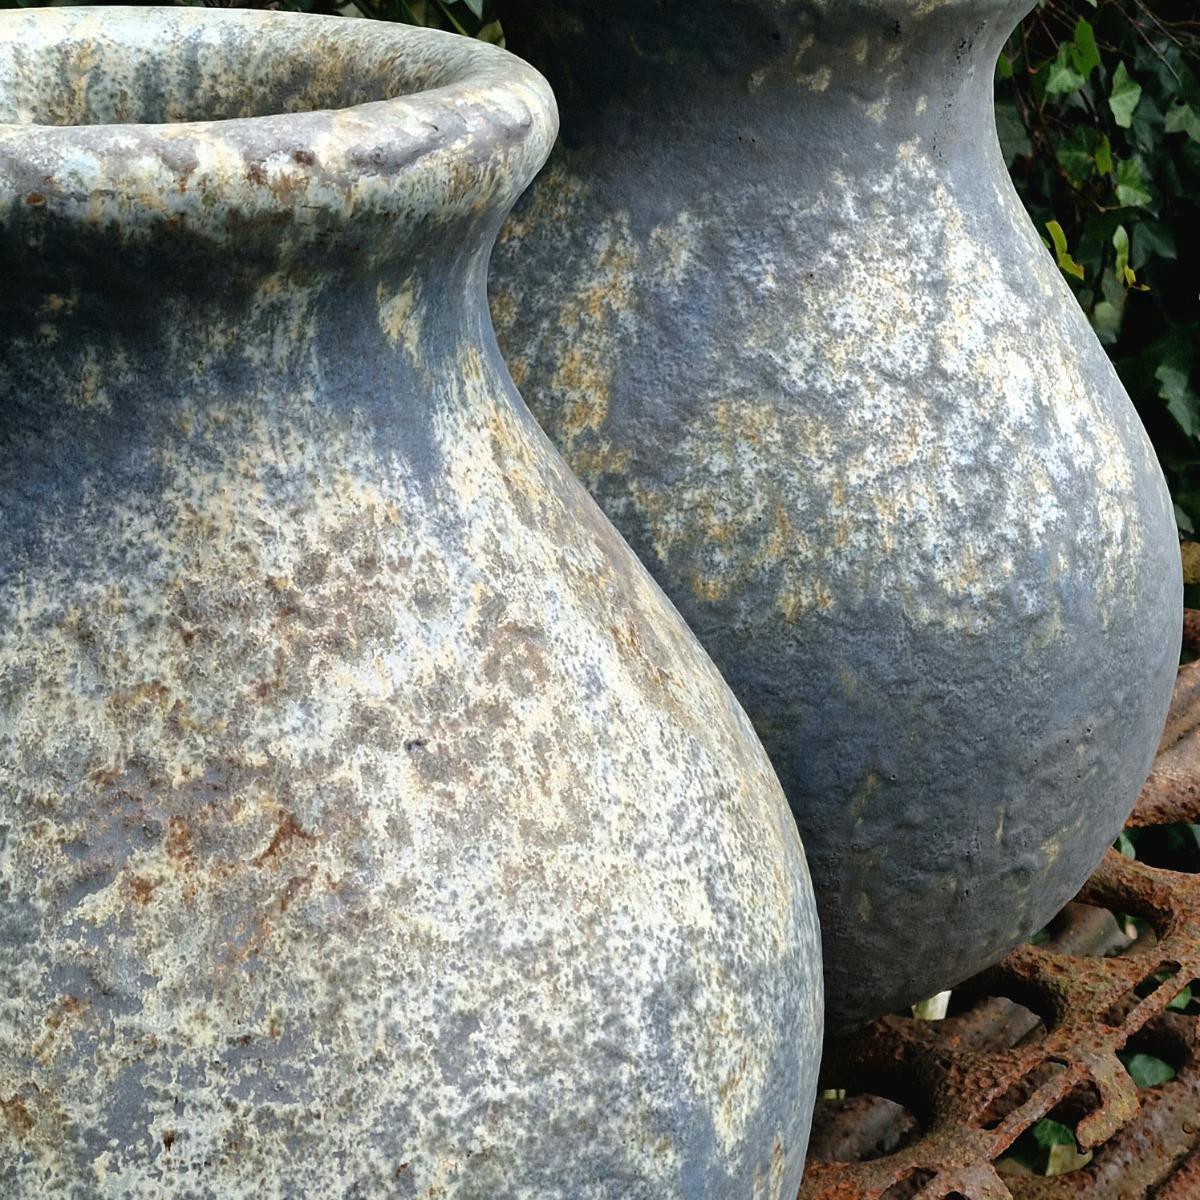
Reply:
x=370, y=825
x=777, y=302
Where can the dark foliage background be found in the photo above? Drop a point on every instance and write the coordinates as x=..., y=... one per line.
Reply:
x=1098, y=108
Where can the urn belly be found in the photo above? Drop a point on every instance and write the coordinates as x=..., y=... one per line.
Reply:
x=775, y=299
x=370, y=824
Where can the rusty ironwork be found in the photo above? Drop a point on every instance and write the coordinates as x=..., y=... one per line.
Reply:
x=932, y=1105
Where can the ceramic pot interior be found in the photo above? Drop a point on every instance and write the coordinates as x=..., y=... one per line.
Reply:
x=153, y=67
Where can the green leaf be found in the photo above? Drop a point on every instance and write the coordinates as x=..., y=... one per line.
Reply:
x=1049, y=1133
x=1086, y=57
x=1131, y=183
x=1077, y=156
x=1004, y=68
x=1173, y=374
x=1061, y=255
x=1063, y=1159
x=1161, y=65
x=1103, y=156
x=491, y=32
x=1186, y=411
x=1183, y=118
x=1106, y=321
x=1145, y=1070
x=1047, y=1147
x=1124, y=96
x=1181, y=1002
x=1152, y=239
x=1147, y=127
x=1109, y=313
x=1124, y=272
x=1061, y=76
x=1124, y=844
x=1014, y=140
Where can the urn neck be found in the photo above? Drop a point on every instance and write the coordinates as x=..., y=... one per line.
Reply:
x=265, y=209
x=908, y=67
x=102, y=389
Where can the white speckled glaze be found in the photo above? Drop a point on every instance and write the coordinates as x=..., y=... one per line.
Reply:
x=370, y=824
x=775, y=299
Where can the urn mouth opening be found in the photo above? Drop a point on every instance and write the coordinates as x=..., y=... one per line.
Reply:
x=319, y=110
x=166, y=67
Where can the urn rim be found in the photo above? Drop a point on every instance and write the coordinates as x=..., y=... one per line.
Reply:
x=461, y=125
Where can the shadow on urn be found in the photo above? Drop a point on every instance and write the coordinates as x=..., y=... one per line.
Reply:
x=779, y=306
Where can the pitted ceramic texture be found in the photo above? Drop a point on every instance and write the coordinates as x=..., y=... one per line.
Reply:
x=370, y=824
x=777, y=302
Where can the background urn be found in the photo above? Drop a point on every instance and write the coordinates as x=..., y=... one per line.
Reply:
x=777, y=302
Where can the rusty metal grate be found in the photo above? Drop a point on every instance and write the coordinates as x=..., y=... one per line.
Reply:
x=934, y=1104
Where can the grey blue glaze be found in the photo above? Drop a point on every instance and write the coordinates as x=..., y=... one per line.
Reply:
x=370, y=824
x=776, y=301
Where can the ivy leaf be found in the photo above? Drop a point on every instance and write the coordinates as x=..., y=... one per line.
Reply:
x=1145, y=1070
x=1124, y=272
x=1109, y=313
x=1183, y=118
x=1152, y=239
x=1049, y=1133
x=1163, y=66
x=1121, y=246
x=1077, y=156
x=1120, y=242
x=1103, y=156
x=1147, y=127
x=1057, y=1142
x=1185, y=408
x=1131, y=183
x=1085, y=55
x=1173, y=374
x=1047, y=1147
x=1181, y=1002
x=1124, y=96
x=1061, y=255
x=1106, y=321
x=1061, y=76
x=1014, y=140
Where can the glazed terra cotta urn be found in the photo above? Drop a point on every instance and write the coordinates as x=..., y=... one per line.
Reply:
x=778, y=304
x=370, y=824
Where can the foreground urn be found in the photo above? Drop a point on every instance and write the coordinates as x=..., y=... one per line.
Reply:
x=777, y=303
x=370, y=825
